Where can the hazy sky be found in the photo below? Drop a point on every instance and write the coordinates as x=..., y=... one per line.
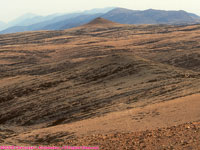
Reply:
x=10, y=9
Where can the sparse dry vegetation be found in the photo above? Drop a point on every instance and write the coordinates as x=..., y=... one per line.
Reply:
x=50, y=78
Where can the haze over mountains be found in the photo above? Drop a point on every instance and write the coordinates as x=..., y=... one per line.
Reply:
x=1, y=24
x=31, y=22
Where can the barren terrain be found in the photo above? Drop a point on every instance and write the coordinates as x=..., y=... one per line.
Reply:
x=102, y=83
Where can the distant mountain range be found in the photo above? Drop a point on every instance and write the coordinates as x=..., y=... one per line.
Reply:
x=31, y=22
x=151, y=16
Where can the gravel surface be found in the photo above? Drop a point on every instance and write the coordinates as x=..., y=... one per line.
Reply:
x=181, y=137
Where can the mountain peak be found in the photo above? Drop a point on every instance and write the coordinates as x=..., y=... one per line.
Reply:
x=101, y=21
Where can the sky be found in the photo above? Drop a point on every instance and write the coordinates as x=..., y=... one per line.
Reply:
x=10, y=9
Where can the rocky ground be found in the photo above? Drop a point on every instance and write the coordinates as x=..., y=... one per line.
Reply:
x=54, y=78
x=181, y=137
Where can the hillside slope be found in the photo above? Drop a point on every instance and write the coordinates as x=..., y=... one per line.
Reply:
x=52, y=78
